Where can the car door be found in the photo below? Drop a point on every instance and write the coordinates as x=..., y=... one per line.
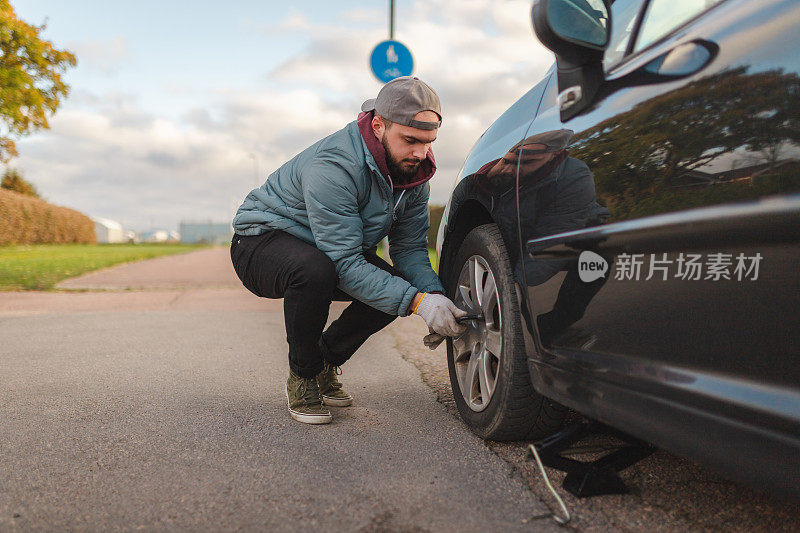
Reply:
x=659, y=253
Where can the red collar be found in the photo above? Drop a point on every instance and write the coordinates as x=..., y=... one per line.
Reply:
x=424, y=172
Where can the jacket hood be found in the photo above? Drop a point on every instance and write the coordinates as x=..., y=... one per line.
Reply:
x=426, y=168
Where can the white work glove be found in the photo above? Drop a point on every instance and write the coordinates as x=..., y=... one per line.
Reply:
x=440, y=314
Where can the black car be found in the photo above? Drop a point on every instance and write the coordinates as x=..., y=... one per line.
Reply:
x=630, y=231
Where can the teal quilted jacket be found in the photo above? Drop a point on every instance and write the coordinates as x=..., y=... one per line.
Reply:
x=333, y=195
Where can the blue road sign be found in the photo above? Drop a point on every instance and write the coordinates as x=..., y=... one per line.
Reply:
x=390, y=60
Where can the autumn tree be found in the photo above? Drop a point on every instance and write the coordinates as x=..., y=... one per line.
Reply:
x=13, y=181
x=31, y=85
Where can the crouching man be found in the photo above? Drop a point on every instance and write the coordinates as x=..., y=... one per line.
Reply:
x=308, y=235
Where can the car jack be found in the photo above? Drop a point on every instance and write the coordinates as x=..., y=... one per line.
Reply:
x=591, y=478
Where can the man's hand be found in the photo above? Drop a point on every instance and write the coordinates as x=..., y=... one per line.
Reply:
x=433, y=339
x=440, y=314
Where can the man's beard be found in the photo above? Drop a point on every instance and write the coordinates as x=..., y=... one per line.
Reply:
x=399, y=172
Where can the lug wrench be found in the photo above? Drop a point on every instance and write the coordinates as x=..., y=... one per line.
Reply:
x=474, y=316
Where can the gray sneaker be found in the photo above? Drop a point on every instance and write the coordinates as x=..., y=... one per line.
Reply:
x=330, y=389
x=305, y=404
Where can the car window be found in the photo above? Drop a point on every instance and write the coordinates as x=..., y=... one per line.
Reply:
x=663, y=16
x=623, y=20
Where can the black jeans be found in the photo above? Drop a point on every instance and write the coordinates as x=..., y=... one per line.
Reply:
x=279, y=265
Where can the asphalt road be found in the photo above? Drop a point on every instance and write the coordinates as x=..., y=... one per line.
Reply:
x=159, y=408
x=150, y=396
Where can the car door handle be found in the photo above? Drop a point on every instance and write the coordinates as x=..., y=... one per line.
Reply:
x=683, y=60
x=678, y=62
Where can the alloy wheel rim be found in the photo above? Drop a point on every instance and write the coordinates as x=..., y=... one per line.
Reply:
x=477, y=352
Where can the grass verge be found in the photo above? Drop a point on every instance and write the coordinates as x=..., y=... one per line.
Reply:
x=41, y=266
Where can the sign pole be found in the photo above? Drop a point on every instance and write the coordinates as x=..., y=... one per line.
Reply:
x=391, y=20
x=391, y=59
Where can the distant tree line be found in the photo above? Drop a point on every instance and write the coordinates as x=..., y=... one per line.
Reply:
x=435, y=212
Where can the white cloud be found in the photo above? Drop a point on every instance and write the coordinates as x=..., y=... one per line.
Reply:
x=104, y=56
x=295, y=21
x=106, y=156
x=480, y=57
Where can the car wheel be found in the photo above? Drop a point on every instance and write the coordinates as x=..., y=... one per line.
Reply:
x=488, y=366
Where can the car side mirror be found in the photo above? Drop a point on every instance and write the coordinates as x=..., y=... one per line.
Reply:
x=578, y=32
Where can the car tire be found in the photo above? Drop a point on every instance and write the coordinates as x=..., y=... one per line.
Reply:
x=489, y=360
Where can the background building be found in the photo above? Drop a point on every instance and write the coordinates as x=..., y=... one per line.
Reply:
x=206, y=232
x=159, y=235
x=109, y=230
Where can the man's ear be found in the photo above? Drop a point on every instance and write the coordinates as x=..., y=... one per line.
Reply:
x=377, y=127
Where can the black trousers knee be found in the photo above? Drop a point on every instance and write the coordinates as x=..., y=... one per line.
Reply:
x=276, y=264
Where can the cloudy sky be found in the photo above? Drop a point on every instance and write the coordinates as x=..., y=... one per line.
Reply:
x=177, y=109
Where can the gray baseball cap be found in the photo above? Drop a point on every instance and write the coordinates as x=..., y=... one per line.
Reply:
x=553, y=141
x=402, y=98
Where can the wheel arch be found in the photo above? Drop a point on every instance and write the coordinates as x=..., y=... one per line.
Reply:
x=467, y=216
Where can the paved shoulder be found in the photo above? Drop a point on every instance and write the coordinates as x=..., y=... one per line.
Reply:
x=199, y=269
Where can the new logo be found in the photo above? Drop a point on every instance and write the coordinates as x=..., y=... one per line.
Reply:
x=591, y=266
